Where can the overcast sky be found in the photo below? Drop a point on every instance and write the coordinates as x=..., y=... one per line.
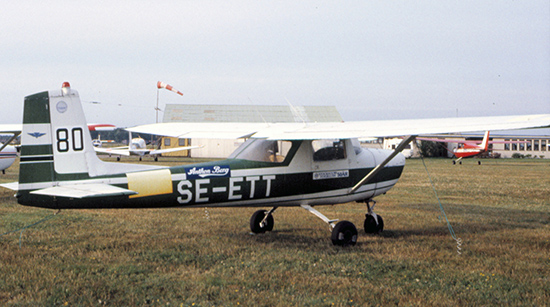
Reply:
x=370, y=59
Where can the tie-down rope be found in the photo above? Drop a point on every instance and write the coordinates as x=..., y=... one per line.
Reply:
x=453, y=235
x=29, y=226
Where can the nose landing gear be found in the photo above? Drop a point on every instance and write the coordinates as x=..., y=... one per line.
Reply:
x=262, y=221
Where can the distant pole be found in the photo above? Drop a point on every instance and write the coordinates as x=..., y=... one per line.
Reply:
x=157, y=108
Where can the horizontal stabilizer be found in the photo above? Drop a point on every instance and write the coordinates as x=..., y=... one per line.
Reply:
x=12, y=186
x=84, y=191
x=120, y=152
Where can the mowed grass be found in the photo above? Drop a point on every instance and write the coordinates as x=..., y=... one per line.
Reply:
x=196, y=257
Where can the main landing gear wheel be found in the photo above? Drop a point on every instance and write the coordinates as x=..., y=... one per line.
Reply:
x=344, y=234
x=373, y=222
x=259, y=223
x=371, y=225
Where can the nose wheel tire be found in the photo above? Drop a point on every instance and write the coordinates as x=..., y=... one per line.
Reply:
x=256, y=225
x=371, y=226
x=344, y=234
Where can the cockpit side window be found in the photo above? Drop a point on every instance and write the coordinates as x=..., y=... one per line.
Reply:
x=327, y=150
x=263, y=150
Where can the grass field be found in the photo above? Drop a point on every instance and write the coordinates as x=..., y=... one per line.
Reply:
x=198, y=257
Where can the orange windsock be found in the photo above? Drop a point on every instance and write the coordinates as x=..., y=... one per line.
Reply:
x=168, y=87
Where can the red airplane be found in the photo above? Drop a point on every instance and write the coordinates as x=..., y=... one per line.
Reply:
x=470, y=148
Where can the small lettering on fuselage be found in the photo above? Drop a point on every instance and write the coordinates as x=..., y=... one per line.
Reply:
x=330, y=175
x=200, y=190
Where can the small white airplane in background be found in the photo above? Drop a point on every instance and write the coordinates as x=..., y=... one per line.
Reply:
x=101, y=127
x=99, y=142
x=8, y=153
x=280, y=165
x=138, y=147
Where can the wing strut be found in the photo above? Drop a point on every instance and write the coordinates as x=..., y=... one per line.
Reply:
x=379, y=167
x=15, y=135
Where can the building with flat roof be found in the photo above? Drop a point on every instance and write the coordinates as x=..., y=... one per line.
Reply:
x=536, y=146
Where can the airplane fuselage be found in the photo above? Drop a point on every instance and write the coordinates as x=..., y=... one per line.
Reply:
x=137, y=143
x=467, y=152
x=292, y=180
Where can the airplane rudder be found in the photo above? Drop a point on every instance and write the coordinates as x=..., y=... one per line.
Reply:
x=486, y=141
x=36, y=163
x=72, y=142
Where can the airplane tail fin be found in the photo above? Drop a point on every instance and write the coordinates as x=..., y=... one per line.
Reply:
x=485, y=142
x=56, y=144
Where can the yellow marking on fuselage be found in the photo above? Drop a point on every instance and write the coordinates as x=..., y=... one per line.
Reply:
x=150, y=183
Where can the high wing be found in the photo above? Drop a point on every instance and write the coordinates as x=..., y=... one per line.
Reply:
x=113, y=151
x=342, y=130
x=467, y=141
x=161, y=151
x=13, y=129
x=202, y=130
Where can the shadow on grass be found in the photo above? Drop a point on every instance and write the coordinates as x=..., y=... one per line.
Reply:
x=465, y=220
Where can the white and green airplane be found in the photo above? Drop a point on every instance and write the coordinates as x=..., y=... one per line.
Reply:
x=8, y=153
x=280, y=165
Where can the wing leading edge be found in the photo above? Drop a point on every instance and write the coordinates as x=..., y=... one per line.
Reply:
x=357, y=129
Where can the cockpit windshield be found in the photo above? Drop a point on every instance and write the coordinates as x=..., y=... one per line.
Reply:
x=262, y=150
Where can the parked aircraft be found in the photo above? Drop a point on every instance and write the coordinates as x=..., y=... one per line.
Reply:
x=8, y=153
x=138, y=147
x=291, y=164
x=99, y=142
x=467, y=148
x=7, y=157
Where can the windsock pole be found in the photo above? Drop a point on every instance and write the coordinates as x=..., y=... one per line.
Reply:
x=157, y=108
